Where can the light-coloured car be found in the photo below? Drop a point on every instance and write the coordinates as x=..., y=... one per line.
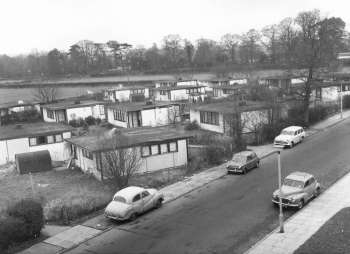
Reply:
x=289, y=137
x=242, y=162
x=298, y=188
x=131, y=201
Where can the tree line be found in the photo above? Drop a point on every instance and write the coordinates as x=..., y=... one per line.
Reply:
x=295, y=42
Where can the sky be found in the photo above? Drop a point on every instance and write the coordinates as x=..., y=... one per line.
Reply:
x=41, y=25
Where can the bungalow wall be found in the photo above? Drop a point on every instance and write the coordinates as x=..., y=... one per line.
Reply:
x=219, y=128
x=110, y=117
x=147, y=164
x=9, y=148
x=160, y=116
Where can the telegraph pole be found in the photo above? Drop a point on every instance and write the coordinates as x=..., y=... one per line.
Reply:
x=341, y=101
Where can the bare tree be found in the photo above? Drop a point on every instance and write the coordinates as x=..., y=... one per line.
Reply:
x=174, y=114
x=45, y=93
x=120, y=163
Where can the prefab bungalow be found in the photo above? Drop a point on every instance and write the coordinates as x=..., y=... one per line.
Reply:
x=66, y=111
x=173, y=83
x=23, y=138
x=140, y=114
x=217, y=117
x=180, y=93
x=130, y=93
x=9, y=108
x=329, y=92
x=155, y=149
x=238, y=91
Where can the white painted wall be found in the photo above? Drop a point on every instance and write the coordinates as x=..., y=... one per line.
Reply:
x=122, y=95
x=238, y=81
x=160, y=116
x=159, y=97
x=167, y=160
x=96, y=111
x=87, y=166
x=82, y=112
x=110, y=119
x=9, y=148
x=195, y=116
x=179, y=95
x=187, y=83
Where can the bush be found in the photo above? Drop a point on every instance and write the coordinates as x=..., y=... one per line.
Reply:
x=78, y=123
x=67, y=209
x=12, y=230
x=215, y=154
x=31, y=212
x=192, y=126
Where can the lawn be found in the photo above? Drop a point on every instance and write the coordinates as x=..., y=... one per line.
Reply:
x=332, y=238
x=65, y=185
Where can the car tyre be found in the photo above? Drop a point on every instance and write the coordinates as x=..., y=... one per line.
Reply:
x=301, y=204
x=291, y=144
x=317, y=192
x=257, y=164
x=159, y=203
x=244, y=170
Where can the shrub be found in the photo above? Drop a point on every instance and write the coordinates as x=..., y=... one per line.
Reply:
x=31, y=212
x=90, y=120
x=77, y=123
x=215, y=154
x=69, y=208
x=192, y=126
x=11, y=230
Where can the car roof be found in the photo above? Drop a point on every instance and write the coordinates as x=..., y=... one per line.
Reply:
x=245, y=153
x=292, y=128
x=129, y=192
x=299, y=176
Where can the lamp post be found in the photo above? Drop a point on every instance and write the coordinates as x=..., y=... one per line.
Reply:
x=280, y=192
x=341, y=101
x=281, y=220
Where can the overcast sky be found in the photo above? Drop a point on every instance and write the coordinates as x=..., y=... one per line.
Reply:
x=46, y=24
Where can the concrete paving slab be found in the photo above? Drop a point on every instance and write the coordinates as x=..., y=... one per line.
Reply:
x=42, y=248
x=99, y=222
x=51, y=230
x=73, y=236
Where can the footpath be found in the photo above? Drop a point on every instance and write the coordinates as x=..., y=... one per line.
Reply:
x=298, y=228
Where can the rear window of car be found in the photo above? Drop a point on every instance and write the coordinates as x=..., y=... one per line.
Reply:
x=119, y=199
x=293, y=183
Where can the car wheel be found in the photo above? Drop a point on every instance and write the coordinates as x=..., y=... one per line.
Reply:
x=301, y=204
x=133, y=217
x=291, y=144
x=159, y=203
x=317, y=192
x=244, y=171
x=257, y=164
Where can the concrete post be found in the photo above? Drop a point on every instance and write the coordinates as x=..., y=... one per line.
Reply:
x=280, y=193
x=341, y=101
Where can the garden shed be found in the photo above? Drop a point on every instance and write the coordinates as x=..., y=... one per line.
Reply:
x=33, y=162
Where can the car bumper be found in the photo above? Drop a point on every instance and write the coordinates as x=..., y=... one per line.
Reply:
x=234, y=170
x=113, y=217
x=280, y=145
x=285, y=204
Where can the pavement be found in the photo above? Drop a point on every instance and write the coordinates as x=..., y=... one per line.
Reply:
x=71, y=237
x=301, y=226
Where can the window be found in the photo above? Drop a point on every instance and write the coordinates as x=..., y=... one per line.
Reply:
x=102, y=110
x=32, y=141
x=50, y=114
x=145, y=194
x=58, y=138
x=50, y=139
x=209, y=117
x=145, y=151
x=163, y=92
x=119, y=115
x=87, y=154
x=173, y=147
x=163, y=148
x=136, y=198
x=154, y=149
x=159, y=149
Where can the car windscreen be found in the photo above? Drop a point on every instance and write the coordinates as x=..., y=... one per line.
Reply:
x=239, y=158
x=119, y=199
x=287, y=132
x=293, y=183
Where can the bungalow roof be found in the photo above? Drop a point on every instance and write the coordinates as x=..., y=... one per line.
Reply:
x=71, y=104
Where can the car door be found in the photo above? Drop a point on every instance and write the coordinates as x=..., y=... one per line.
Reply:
x=308, y=189
x=137, y=203
x=147, y=200
x=249, y=161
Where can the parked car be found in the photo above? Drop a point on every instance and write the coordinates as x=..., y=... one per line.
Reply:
x=289, y=137
x=242, y=162
x=132, y=201
x=298, y=188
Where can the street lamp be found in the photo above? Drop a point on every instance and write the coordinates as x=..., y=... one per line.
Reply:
x=341, y=101
x=281, y=220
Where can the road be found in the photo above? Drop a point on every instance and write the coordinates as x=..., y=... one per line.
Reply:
x=231, y=213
